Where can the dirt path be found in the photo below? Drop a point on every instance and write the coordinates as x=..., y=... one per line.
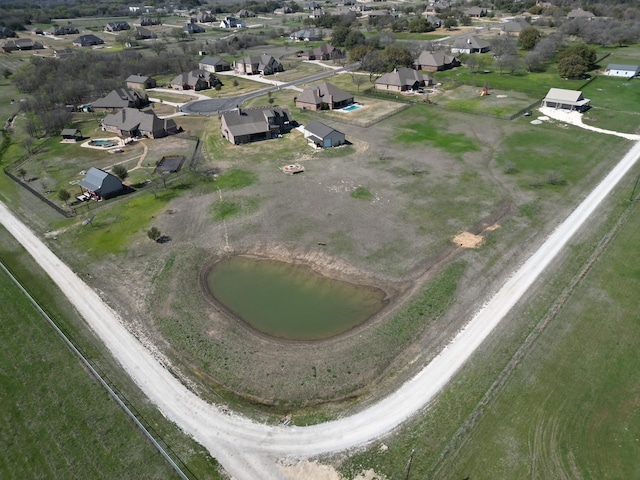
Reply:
x=249, y=450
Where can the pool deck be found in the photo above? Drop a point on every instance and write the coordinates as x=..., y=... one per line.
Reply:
x=120, y=143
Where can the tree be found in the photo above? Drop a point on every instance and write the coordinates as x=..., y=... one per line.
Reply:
x=529, y=37
x=120, y=171
x=397, y=56
x=22, y=172
x=533, y=60
x=503, y=45
x=572, y=67
x=373, y=63
x=584, y=52
x=339, y=37
x=358, y=80
x=154, y=234
x=354, y=37
x=158, y=47
x=64, y=195
x=450, y=23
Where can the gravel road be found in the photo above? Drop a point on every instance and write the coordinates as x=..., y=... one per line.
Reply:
x=249, y=450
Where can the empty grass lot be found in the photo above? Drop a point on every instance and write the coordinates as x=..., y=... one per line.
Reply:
x=57, y=421
x=572, y=408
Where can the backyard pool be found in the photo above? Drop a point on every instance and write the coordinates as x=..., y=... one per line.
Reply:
x=104, y=143
x=351, y=107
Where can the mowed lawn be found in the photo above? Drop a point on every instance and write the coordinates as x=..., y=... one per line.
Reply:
x=572, y=409
x=56, y=421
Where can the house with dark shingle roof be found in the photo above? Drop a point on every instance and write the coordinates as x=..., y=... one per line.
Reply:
x=402, y=80
x=21, y=44
x=100, y=184
x=245, y=125
x=323, y=96
x=580, y=13
x=6, y=32
x=140, y=82
x=87, y=41
x=470, y=44
x=476, y=12
x=143, y=33
x=120, y=98
x=324, y=52
x=214, y=64
x=306, y=35
x=514, y=26
x=195, y=80
x=63, y=30
x=323, y=136
x=435, y=61
x=118, y=26
x=263, y=64
x=130, y=122
x=191, y=28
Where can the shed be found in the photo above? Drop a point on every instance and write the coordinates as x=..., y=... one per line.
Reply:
x=619, y=70
x=100, y=183
x=71, y=134
x=323, y=135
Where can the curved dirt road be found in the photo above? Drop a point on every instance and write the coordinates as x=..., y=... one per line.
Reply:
x=249, y=450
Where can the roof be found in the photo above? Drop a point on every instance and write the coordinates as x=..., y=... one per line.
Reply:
x=69, y=131
x=470, y=42
x=129, y=119
x=319, y=129
x=434, y=59
x=247, y=121
x=137, y=79
x=263, y=59
x=401, y=77
x=89, y=39
x=213, y=61
x=561, y=95
x=191, y=78
x=619, y=66
x=322, y=92
x=121, y=97
x=94, y=179
x=579, y=13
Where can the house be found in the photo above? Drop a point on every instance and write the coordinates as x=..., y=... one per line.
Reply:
x=100, y=184
x=244, y=13
x=435, y=61
x=434, y=20
x=87, y=41
x=6, y=32
x=214, y=64
x=71, y=135
x=560, y=98
x=323, y=136
x=140, y=82
x=619, y=70
x=253, y=124
x=577, y=13
x=324, y=52
x=120, y=98
x=195, y=80
x=145, y=21
x=63, y=52
x=283, y=10
x=232, y=22
x=514, y=26
x=21, y=44
x=476, y=12
x=205, y=16
x=130, y=122
x=317, y=13
x=470, y=44
x=323, y=96
x=117, y=26
x=306, y=35
x=191, y=28
x=258, y=64
x=142, y=33
x=402, y=80
x=59, y=30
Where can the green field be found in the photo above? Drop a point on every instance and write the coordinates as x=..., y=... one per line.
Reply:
x=57, y=420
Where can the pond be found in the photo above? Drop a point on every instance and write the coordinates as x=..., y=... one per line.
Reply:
x=290, y=301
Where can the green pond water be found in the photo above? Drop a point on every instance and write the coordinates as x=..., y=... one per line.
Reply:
x=290, y=301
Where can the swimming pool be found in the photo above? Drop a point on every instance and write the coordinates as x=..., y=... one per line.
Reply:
x=351, y=107
x=104, y=143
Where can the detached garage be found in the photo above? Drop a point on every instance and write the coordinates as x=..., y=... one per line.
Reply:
x=100, y=184
x=323, y=136
x=559, y=98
